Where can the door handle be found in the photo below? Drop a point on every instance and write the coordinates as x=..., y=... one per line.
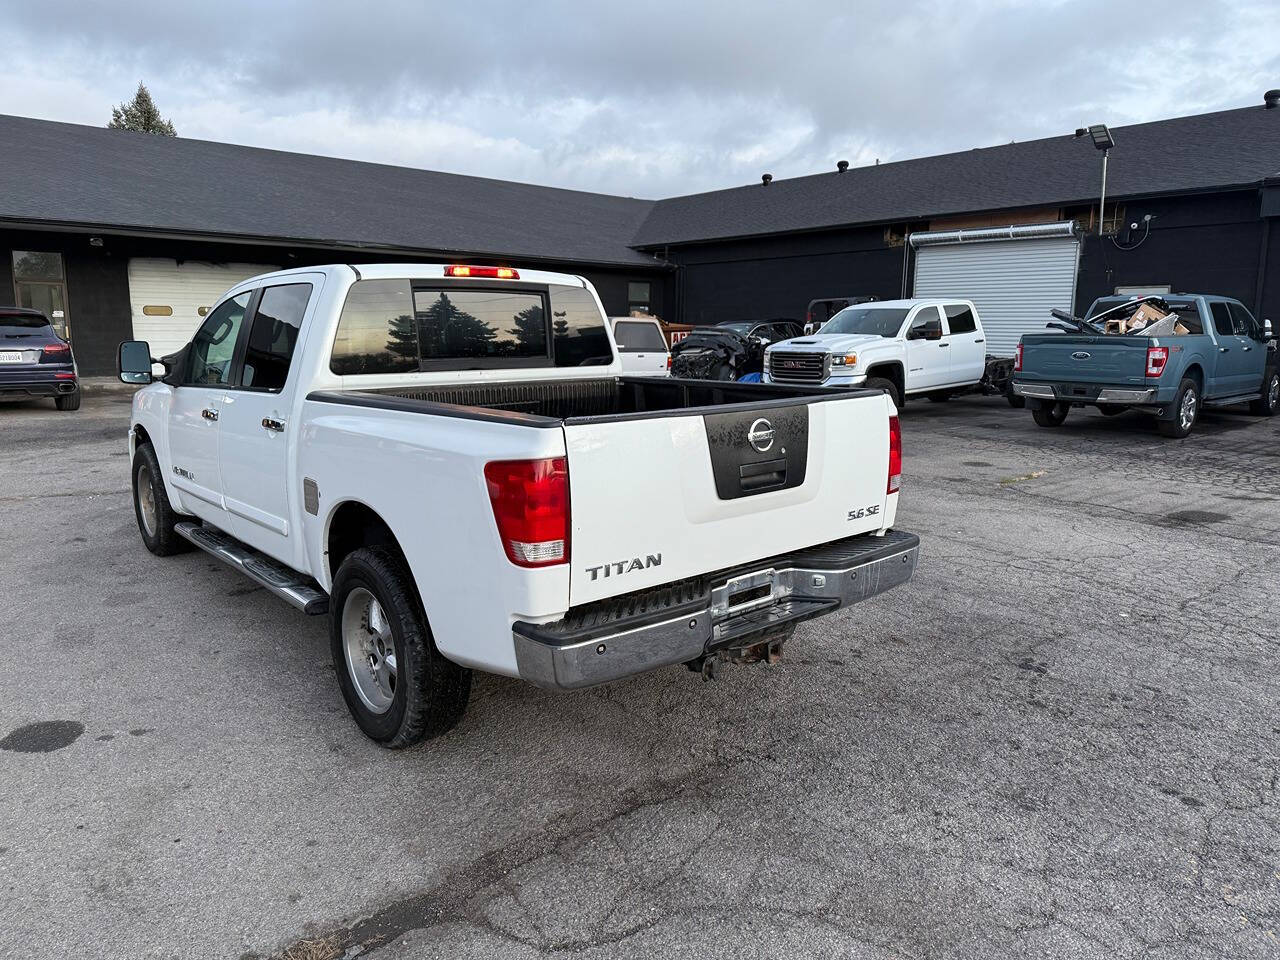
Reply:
x=1224, y=349
x=209, y=414
x=276, y=425
x=981, y=340
x=944, y=344
x=1247, y=349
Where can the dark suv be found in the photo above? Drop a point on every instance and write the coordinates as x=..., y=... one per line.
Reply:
x=35, y=361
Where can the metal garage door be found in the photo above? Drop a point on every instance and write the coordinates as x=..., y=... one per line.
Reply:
x=169, y=299
x=1015, y=275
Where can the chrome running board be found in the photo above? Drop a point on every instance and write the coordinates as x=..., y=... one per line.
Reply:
x=289, y=585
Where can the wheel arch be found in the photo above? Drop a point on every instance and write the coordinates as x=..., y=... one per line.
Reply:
x=1195, y=372
x=890, y=370
x=353, y=524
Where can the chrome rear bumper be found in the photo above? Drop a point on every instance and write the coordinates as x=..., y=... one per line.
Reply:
x=679, y=622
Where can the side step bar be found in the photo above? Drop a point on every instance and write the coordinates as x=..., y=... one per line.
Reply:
x=289, y=585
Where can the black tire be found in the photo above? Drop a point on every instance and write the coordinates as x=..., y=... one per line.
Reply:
x=887, y=386
x=162, y=540
x=1269, y=402
x=940, y=397
x=1015, y=401
x=1181, y=423
x=68, y=401
x=1050, y=414
x=430, y=693
x=1111, y=409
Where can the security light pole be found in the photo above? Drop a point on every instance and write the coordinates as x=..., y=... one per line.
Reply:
x=1103, y=141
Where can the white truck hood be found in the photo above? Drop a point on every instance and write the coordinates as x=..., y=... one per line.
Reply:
x=830, y=343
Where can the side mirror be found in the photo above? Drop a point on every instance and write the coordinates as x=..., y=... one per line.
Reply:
x=1266, y=330
x=134, y=361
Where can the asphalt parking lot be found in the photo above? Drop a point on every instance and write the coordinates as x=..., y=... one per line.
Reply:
x=1060, y=740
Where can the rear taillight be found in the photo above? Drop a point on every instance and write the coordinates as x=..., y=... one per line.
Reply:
x=1017, y=359
x=531, y=506
x=895, y=456
x=56, y=353
x=1157, y=358
x=668, y=362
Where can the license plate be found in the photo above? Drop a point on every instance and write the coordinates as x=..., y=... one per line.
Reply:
x=10, y=356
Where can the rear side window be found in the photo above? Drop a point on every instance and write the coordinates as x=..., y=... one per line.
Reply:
x=1221, y=319
x=273, y=335
x=960, y=318
x=635, y=336
x=398, y=326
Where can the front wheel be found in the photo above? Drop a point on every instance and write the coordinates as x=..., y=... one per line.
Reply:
x=1186, y=408
x=1267, y=404
x=156, y=516
x=885, y=386
x=1050, y=414
x=399, y=688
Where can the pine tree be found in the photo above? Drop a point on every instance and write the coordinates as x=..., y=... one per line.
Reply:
x=140, y=114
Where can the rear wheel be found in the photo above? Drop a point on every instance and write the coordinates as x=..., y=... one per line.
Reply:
x=399, y=688
x=68, y=401
x=1269, y=402
x=1185, y=411
x=156, y=516
x=1050, y=414
x=1015, y=401
x=886, y=386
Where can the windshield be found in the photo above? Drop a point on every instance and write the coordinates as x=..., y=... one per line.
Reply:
x=880, y=321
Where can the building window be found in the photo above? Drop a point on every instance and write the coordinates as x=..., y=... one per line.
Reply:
x=638, y=296
x=39, y=283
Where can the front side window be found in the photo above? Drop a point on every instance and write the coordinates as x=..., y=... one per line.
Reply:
x=213, y=349
x=1243, y=323
x=876, y=321
x=927, y=325
x=960, y=318
x=273, y=335
x=638, y=336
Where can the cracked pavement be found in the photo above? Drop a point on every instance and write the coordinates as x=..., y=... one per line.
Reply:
x=1059, y=740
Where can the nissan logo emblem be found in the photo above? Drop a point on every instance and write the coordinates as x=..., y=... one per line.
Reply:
x=1081, y=355
x=760, y=436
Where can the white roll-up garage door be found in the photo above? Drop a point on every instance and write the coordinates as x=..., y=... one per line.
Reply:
x=169, y=299
x=1015, y=275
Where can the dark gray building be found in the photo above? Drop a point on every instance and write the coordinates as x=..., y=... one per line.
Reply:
x=128, y=234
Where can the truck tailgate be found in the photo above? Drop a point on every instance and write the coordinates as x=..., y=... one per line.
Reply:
x=660, y=497
x=1084, y=359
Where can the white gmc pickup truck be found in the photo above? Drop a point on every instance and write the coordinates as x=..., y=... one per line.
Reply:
x=446, y=461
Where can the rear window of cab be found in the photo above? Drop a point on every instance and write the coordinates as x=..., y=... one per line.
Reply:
x=404, y=326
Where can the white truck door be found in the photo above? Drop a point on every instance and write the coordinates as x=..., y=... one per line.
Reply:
x=928, y=351
x=641, y=347
x=194, y=414
x=256, y=431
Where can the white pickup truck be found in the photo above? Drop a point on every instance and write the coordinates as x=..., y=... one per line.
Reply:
x=906, y=348
x=446, y=461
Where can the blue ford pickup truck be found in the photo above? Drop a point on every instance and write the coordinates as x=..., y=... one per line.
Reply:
x=1224, y=357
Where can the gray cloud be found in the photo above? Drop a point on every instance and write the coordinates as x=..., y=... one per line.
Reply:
x=652, y=99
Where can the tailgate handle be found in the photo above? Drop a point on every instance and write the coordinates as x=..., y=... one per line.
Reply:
x=759, y=476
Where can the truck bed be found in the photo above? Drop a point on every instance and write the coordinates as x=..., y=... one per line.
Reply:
x=552, y=402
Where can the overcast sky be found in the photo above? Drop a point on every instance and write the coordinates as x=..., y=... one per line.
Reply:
x=650, y=98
